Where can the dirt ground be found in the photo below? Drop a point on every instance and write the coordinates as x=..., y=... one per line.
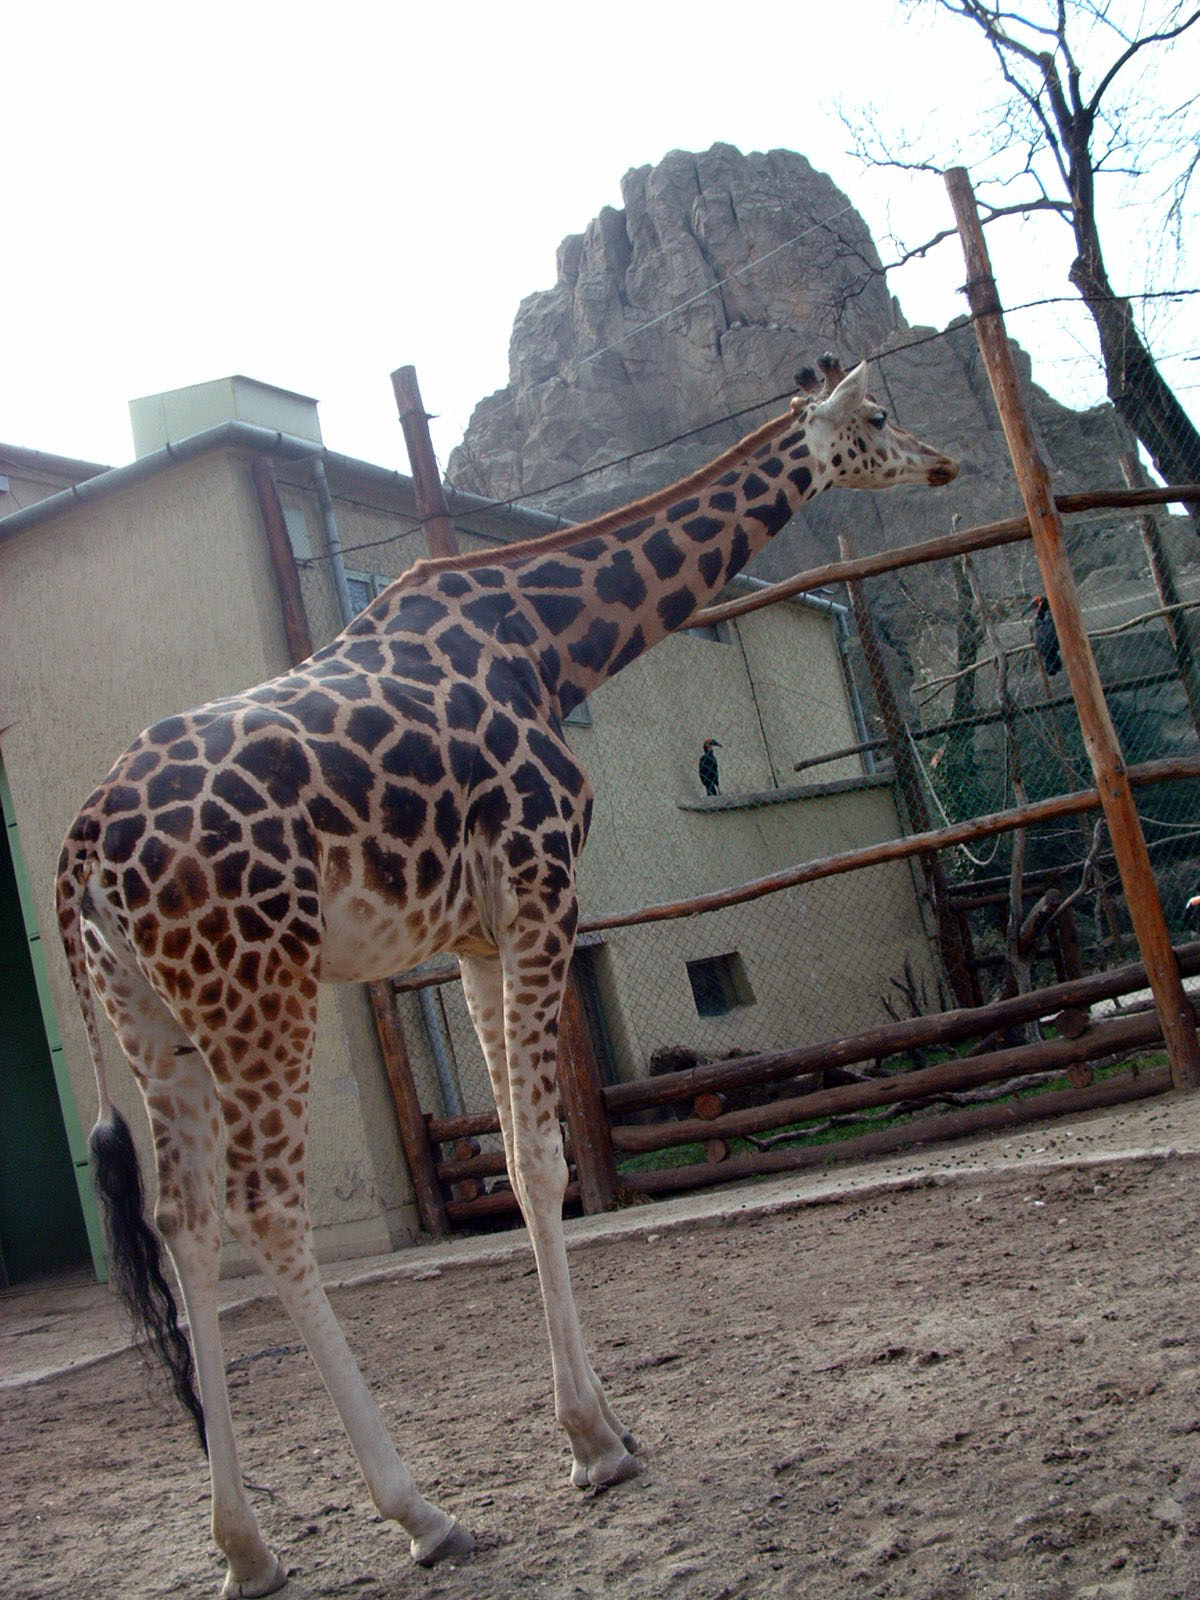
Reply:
x=971, y=1389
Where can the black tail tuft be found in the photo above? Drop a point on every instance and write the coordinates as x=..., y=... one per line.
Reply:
x=135, y=1260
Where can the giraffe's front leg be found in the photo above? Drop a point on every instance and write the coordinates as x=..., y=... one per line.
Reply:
x=515, y=1013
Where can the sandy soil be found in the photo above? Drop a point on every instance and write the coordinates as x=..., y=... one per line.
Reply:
x=984, y=1388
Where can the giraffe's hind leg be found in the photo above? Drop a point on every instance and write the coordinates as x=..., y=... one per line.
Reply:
x=514, y=1008
x=264, y=1104
x=182, y=1105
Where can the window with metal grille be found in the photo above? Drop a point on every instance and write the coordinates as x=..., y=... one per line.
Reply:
x=719, y=984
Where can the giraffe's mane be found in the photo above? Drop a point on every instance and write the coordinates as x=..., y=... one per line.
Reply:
x=578, y=532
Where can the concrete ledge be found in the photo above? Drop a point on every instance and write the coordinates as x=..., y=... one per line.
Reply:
x=787, y=794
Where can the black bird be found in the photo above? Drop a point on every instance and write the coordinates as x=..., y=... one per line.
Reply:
x=1045, y=637
x=709, y=776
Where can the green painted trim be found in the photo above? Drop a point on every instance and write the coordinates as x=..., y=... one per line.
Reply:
x=76, y=1142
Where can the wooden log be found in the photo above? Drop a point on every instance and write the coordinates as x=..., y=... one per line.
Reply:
x=488, y=1164
x=715, y=1150
x=955, y=1125
x=707, y=1106
x=965, y=542
x=912, y=791
x=468, y=1125
x=586, y=1114
x=1071, y=1022
x=468, y=1189
x=464, y=1149
x=441, y=537
x=1063, y=805
x=283, y=560
x=406, y=982
x=1099, y=735
x=496, y=1203
x=413, y=1131
x=893, y=1038
x=948, y=1077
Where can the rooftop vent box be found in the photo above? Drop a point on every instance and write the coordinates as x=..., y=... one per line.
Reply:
x=162, y=419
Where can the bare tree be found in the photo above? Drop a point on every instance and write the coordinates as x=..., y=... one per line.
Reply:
x=1064, y=123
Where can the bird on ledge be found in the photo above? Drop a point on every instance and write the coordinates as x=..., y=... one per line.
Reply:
x=709, y=776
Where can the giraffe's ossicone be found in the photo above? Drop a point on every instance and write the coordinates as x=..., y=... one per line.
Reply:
x=406, y=790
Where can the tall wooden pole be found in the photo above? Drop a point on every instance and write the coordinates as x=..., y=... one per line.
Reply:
x=949, y=932
x=1099, y=735
x=440, y=533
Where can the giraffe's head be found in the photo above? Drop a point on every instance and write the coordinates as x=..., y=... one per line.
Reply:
x=853, y=438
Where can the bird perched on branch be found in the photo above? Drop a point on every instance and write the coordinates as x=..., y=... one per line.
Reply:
x=709, y=776
x=1045, y=637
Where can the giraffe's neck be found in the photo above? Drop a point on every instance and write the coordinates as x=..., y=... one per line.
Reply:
x=627, y=580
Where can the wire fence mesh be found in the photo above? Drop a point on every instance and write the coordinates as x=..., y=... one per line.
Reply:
x=827, y=742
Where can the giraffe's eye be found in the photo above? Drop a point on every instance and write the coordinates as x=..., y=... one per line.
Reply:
x=879, y=418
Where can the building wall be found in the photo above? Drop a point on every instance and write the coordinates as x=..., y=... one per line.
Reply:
x=110, y=617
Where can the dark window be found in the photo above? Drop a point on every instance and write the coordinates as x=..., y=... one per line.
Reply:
x=363, y=587
x=719, y=984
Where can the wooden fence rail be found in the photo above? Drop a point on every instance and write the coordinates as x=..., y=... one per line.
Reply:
x=1118, y=1037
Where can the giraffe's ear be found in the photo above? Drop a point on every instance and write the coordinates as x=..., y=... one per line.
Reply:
x=846, y=398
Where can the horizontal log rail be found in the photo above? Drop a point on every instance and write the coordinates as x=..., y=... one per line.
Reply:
x=986, y=537
x=470, y=1125
x=948, y=1077
x=928, y=1130
x=1063, y=805
x=893, y=1038
x=487, y=1164
x=497, y=1203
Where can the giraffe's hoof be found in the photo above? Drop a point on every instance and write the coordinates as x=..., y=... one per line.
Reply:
x=604, y=1477
x=454, y=1545
x=247, y=1588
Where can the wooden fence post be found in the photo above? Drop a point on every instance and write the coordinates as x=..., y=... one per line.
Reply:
x=441, y=536
x=414, y=1135
x=1099, y=735
x=949, y=934
x=583, y=1103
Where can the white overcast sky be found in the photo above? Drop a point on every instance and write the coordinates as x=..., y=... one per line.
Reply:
x=316, y=194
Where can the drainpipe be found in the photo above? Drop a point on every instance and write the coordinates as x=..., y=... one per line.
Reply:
x=325, y=501
x=842, y=634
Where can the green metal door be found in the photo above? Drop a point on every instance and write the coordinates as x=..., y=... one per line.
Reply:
x=42, y=1224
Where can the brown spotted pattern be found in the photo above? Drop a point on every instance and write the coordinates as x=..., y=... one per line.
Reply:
x=406, y=790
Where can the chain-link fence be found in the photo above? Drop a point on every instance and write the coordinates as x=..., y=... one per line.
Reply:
x=818, y=732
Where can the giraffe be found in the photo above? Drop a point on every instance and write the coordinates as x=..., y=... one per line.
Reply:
x=406, y=790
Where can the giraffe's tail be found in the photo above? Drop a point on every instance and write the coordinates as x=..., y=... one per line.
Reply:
x=134, y=1248
x=135, y=1260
